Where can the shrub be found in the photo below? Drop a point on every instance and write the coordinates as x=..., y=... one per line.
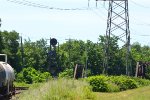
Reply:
x=115, y=83
x=142, y=82
x=98, y=83
x=113, y=87
x=68, y=73
x=30, y=75
x=124, y=82
x=131, y=84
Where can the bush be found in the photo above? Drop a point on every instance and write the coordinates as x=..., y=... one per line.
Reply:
x=124, y=82
x=142, y=82
x=115, y=83
x=98, y=83
x=30, y=75
x=68, y=73
x=113, y=87
x=147, y=74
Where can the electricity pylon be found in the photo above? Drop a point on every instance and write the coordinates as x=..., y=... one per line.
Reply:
x=117, y=25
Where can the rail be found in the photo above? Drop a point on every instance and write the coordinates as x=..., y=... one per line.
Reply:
x=17, y=90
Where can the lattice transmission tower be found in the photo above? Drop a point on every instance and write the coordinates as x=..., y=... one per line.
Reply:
x=118, y=25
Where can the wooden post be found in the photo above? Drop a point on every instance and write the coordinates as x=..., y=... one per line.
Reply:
x=75, y=71
x=78, y=71
x=137, y=67
x=83, y=72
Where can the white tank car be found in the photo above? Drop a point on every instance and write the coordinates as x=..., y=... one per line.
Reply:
x=7, y=77
x=6, y=74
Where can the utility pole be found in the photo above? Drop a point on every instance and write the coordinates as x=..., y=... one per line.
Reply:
x=69, y=47
x=69, y=52
x=0, y=22
x=22, y=53
x=87, y=57
x=117, y=25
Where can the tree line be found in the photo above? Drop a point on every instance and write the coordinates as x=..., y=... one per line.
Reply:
x=70, y=53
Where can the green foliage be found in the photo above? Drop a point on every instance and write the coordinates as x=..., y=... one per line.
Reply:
x=147, y=74
x=115, y=83
x=35, y=54
x=142, y=82
x=68, y=73
x=30, y=75
x=98, y=83
x=71, y=53
x=61, y=89
x=124, y=82
x=21, y=84
x=95, y=57
x=9, y=44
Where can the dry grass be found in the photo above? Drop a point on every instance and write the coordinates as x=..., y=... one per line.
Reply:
x=64, y=89
x=61, y=89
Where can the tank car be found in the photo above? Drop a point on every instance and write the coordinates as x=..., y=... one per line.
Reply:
x=6, y=77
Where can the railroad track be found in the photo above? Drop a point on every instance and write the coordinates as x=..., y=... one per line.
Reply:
x=21, y=88
x=17, y=90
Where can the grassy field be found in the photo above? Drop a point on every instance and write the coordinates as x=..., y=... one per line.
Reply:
x=142, y=93
x=64, y=89
x=61, y=89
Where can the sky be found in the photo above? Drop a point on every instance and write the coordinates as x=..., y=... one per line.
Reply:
x=85, y=23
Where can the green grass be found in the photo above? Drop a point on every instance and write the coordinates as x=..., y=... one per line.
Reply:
x=21, y=84
x=61, y=89
x=64, y=89
x=142, y=93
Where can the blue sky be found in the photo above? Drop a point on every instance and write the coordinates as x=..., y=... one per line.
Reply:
x=37, y=23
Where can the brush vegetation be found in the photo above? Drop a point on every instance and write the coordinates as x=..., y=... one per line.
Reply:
x=61, y=89
x=69, y=89
x=104, y=83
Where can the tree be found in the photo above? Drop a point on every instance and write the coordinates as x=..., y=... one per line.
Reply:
x=35, y=54
x=115, y=60
x=95, y=61
x=1, y=42
x=72, y=52
x=9, y=46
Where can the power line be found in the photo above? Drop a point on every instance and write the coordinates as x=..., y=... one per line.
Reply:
x=32, y=4
x=97, y=14
x=144, y=35
x=140, y=34
x=144, y=24
x=137, y=4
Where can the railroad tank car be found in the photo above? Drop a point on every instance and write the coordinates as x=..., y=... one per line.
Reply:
x=6, y=78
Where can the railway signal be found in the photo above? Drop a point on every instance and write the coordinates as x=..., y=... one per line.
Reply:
x=53, y=57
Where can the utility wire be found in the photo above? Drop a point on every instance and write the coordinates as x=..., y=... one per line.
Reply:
x=28, y=3
x=32, y=4
x=137, y=4
x=144, y=24
x=97, y=14
x=134, y=32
